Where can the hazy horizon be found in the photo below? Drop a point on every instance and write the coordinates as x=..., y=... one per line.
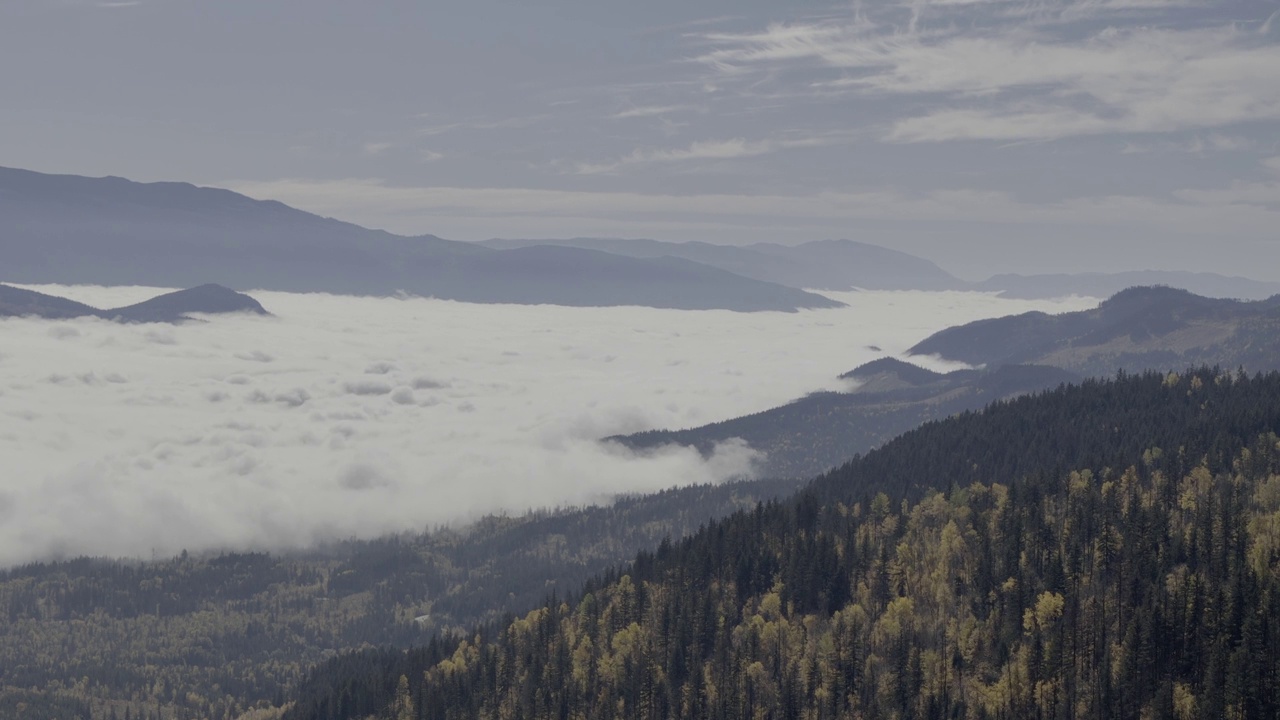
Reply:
x=988, y=136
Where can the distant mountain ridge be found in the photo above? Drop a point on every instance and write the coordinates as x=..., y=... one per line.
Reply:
x=575, y=276
x=111, y=231
x=1039, y=287
x=822, y=430
x=1137, y=329
x=842, y=265
x=819, y=265
x=168, y=308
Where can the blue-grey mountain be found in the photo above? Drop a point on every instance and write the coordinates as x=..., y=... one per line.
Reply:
x=1137, y=329
x=70, y=229
x=818, y=265
x=822, y=430
x=1035, y=287
x=208, y=299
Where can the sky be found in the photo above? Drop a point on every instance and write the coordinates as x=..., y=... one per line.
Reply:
x=348, y=417
x=986, y=135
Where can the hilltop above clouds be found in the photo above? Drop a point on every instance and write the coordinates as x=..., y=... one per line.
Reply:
x=208, y=299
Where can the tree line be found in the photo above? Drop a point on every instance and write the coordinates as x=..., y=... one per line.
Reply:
x=1107, y=550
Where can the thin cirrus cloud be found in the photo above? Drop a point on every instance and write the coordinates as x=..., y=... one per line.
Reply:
x=1241, y=194
x=345, y=416
x=360, y=197
x=1049, y=118
x=1037, y=74
x=646, y=111
x=1115, y=226
x=702, y=150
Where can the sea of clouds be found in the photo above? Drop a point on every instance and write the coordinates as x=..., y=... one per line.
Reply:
x=353, y=417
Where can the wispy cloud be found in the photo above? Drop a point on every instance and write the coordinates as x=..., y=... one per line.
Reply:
x=1198, y=145
x=703, y=150
x=1003, y=78
x=479, y=124
x=1211, y=210
x=1241, y=193
x=646, y=111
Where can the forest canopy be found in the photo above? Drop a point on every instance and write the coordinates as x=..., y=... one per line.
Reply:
x=1105, y=550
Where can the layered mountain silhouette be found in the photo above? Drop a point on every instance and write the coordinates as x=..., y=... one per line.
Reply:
x=819, y=265
x=78, y=230
x=1036, y=287
x=822, y=430
x=1137, y=329
x=70, y=229
x=847, y=264
x=171, y=307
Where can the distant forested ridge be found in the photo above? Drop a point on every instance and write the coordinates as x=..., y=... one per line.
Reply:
x=1137, y=329
x=213, y=637
x=823, y=430
x=1107, y=550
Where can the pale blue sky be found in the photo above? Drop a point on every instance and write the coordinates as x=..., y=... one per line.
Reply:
x=988, y=135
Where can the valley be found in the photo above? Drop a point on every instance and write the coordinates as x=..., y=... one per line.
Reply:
x=567, y=360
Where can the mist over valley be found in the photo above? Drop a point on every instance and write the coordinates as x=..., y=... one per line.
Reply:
x=727, y=360
x=343, y=416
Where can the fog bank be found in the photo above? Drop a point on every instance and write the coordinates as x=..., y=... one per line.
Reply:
x=344, y=416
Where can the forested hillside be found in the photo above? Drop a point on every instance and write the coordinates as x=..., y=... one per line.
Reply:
x=1138, y=329
x=1109, y=550
x=214, y=637
x=824, y=429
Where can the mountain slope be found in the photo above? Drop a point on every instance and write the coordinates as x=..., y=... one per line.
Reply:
x=823, y=430
x=818, y=265
x=248, y=622
x=1034, y=287
x=205, y=299
x=1026, y=561
x=20, y=302
x=208, y=299
x=845, y=264
x=575, y=276
x=68, y=229
x=1139, y=328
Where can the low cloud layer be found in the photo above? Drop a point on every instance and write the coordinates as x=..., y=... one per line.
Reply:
x=346, y=417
